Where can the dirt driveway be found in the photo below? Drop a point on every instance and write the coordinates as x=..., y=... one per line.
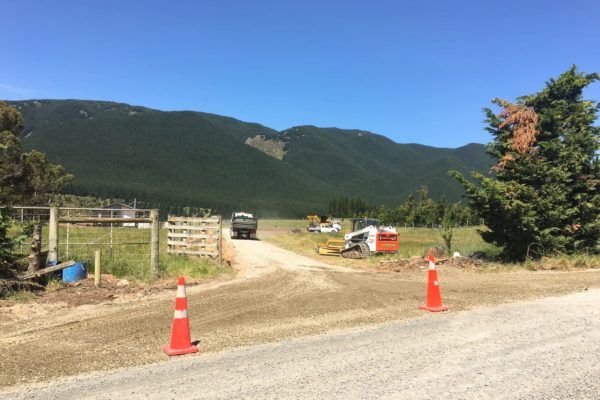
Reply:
x=278, y=295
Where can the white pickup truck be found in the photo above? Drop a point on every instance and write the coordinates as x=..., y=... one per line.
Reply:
x=335, y=226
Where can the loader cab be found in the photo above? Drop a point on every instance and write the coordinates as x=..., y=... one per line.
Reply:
x=362, y=223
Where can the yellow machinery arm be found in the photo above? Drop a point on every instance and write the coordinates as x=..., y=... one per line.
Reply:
x=313, y=219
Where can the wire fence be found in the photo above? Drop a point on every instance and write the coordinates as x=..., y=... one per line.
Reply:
x=125, y=246
x=25, y=216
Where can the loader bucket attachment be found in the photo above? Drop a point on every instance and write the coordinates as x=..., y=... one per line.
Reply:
x=332, y=247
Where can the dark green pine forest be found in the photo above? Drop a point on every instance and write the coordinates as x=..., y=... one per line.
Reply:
x=171, y=160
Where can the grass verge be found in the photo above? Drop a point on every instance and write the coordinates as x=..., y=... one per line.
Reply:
x=414, y=242
x=182, y=265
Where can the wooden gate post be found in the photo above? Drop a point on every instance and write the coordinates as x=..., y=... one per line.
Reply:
x=53, y=235
x=154, y=242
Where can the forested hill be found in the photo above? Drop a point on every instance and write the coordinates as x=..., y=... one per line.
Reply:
x=175, y=159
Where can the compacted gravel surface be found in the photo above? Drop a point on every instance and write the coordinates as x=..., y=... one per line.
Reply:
x=540, y=349
x=279, y=295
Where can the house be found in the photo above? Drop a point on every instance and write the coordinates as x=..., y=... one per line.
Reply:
x=118, y=210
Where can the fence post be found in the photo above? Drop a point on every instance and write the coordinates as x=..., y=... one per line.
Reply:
x=97, y=268
x=36, y=248
x=111, y=237
x=68, y=240
x=53, y=235
x=154, y=242
x=220, y=239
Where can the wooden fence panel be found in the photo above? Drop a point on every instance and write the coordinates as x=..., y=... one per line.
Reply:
x=195, y=236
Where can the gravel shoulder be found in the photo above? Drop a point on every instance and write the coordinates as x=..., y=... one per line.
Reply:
x=278, y=295
x=541, y=349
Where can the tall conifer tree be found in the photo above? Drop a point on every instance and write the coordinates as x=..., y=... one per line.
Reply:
x=545, y=195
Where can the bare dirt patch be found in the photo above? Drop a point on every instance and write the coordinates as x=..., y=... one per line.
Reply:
x=284, y=295
x=273, y=148
x=420, y=263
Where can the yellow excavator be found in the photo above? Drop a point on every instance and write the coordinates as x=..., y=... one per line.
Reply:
x=314, y=222
x=320, y=223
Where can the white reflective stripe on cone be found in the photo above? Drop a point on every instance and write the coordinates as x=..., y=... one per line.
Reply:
x=431, y=265
x=180, y=314
x=180, y=291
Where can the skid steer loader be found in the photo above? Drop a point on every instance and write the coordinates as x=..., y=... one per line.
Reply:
x=367, y=238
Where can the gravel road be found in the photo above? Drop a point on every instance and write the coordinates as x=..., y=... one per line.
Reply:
x=539, y=349
x=259, y=258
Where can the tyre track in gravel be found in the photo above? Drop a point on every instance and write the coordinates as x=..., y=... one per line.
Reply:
x=540, y=349
x=279, y=295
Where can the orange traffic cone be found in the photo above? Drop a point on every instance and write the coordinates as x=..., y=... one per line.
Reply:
x=434, y=295
x=180, y=334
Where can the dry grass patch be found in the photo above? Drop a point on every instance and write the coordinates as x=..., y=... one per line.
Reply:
x=415, y=242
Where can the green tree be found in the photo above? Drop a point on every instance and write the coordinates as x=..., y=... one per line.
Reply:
x=11, y=124
x=334, y=208
x=384, y=215
x=425, y=212
x=349, y=207
x=545, y=196
x=448, y=232
x=410, y=209
x=43, y=178
x=11, y=167
x=441, y=207
x=6, y=245
x=25, y=178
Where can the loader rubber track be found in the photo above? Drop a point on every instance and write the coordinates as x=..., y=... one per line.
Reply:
x=357, y=251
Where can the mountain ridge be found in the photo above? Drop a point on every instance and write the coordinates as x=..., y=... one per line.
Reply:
x=177, y=158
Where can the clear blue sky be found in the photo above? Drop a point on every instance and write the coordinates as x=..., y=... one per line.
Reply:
x=417, y=71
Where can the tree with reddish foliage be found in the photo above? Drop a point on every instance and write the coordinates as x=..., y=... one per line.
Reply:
x=545, y=195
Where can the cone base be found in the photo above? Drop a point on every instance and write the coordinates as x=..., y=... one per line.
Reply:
x=177, y=352
x=433, y=309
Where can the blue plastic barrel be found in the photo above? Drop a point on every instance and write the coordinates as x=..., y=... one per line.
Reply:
x=74, y=273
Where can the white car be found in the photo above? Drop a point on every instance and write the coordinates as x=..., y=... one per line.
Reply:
x=335, y=226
